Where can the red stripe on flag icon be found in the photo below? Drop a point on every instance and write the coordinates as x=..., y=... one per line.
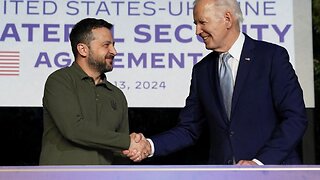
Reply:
x=9, y=63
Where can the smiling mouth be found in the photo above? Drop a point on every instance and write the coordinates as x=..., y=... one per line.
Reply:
x=110, y=61
x=109, y=58
x=205, y=37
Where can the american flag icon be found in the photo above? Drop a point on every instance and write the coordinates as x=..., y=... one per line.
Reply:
x=9, y=63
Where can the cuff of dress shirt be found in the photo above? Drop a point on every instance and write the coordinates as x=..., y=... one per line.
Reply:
x=257, y=161
x=152, y=147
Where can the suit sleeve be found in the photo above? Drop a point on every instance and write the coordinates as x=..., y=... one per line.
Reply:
x=289, y=105
x=187, y=130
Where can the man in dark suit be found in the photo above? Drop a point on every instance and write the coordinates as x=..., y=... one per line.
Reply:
x=265, y=118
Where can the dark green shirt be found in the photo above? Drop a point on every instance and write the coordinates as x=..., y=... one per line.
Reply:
x=84, y=123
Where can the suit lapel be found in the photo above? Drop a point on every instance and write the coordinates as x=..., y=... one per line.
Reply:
x=213, y=71
x=213, y=74
x=246, y=59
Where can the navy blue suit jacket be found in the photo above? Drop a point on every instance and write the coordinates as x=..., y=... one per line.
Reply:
x=268, y=117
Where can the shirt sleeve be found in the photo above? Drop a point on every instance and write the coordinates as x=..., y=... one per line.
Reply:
x=152, y=147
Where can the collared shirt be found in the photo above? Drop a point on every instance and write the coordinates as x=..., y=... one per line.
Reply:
x=235, y=52
x=84, y=123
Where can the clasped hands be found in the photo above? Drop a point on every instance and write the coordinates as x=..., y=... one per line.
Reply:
x=139, y=148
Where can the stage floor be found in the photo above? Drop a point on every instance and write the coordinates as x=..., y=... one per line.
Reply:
x=158, y=172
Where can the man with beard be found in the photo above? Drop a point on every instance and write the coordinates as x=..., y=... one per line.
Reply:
x=85, y=116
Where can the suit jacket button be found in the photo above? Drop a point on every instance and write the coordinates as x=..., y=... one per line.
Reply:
x=231, y=133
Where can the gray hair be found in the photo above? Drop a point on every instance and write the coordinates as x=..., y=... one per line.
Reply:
x=231, y=5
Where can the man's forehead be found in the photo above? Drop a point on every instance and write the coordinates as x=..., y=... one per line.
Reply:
x=200, y=10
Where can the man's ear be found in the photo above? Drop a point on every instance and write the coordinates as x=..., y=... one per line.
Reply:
x=83, y=49
x=228, y=18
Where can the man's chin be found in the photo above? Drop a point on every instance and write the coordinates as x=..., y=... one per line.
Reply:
x=208, y=47
x=108, y=69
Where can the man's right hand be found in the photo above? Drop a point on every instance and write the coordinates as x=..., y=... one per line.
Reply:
x=139, y=148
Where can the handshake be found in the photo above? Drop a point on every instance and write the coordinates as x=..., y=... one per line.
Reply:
x=140, y=147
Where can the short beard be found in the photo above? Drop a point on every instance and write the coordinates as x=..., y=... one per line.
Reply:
x=100, y=66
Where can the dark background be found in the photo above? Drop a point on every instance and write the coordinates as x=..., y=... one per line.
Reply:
x=21, y=132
